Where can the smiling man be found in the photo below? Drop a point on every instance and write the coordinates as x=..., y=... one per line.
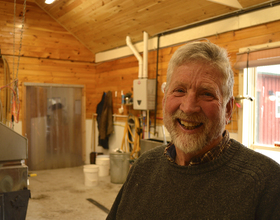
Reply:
x=202, y=173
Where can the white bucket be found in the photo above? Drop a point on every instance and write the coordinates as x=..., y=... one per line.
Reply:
x=91, y=174
x=103, y=161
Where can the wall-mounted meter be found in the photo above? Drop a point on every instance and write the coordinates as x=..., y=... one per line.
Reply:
x=144, y=94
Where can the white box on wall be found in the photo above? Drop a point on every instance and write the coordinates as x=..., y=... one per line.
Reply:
x=144, y=94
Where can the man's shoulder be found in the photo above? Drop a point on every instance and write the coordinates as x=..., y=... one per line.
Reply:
x=152, y=154
x=148, y=161
x=246, y=157
x=154, y=151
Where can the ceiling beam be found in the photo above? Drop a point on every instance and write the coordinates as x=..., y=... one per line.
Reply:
x=231, y=3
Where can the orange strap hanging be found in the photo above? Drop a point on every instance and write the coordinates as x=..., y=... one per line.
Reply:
x=15, y=114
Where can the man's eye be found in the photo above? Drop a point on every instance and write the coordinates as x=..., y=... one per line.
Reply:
x=208, y=94
x=179, y=90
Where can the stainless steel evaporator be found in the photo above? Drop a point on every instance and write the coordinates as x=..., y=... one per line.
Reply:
x=14, y=193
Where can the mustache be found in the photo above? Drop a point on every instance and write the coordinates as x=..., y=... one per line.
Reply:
x=193, y=117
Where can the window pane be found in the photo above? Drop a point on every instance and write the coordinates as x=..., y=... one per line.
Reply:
x=267, y=129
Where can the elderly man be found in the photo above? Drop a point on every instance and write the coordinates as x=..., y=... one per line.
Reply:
x=202, y=173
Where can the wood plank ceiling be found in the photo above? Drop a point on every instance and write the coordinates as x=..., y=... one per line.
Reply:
x=104, y=24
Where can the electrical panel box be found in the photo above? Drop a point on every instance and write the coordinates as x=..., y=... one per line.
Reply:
x=144, y=94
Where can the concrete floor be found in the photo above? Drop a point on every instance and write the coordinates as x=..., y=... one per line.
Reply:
x=61, y=194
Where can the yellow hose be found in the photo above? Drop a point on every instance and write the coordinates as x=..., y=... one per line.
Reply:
x=134, y=154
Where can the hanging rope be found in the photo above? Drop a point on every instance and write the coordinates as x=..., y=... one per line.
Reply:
x=15, y=94
x=21, y=35
x=10, y=103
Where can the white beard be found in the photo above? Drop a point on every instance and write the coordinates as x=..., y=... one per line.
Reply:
x=190, y=143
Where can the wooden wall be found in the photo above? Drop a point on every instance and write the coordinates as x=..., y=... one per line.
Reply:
x=42, y=36
x=119, y=74
x=51, y=55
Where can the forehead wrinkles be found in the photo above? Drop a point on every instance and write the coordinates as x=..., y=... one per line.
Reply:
x=211, y=87
x=200, y=79
x=192, y=71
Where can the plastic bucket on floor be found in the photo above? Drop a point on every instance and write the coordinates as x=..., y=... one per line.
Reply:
x=91, y=174
x=119, y=167
x=103, y=161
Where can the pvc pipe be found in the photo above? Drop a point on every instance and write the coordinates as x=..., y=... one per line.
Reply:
x=139, y=58
x=145, y=55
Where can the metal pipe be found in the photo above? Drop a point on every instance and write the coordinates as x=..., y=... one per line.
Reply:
x=155, y=119
x=145, y=56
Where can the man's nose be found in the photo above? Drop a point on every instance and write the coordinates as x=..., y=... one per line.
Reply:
x=189, y=104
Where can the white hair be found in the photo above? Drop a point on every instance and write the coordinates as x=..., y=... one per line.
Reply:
x=205, y=52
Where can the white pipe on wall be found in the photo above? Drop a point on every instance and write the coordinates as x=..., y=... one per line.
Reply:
x=139, y=58
x=145, y=55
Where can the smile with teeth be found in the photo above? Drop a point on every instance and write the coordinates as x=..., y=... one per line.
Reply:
x=189, y=125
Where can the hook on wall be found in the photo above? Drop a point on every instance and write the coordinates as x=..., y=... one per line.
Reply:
x=239, y=98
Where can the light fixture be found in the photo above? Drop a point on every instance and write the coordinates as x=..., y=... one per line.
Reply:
x=49, y=1
x=231, y=3
x=271, y=95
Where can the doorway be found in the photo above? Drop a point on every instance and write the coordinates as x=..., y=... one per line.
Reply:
x=53, y=124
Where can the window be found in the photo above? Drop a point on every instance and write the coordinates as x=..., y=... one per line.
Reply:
x=277, y=104
x=267, y=105
x=261, y=117
x=259, y=121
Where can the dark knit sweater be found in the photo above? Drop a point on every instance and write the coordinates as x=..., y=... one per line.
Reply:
x=240, y=184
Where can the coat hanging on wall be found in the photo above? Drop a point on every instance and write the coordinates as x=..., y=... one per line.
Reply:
x=105, y=119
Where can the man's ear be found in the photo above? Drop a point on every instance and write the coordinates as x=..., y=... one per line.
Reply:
x=229, y=108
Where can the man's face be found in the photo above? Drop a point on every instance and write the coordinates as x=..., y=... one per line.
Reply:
x=193, y=110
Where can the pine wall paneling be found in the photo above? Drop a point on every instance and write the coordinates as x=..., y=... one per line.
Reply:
x=232, y=41
x=51, y=55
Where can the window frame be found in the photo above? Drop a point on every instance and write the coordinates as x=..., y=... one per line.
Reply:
x=249, y=111
x=246, y=123
x=277, y=104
